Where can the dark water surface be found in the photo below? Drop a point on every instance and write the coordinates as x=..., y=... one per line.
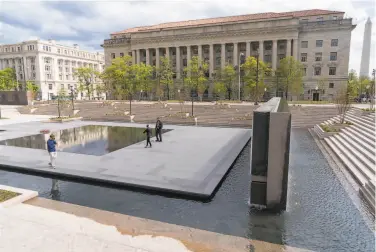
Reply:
x=320, y=216
x=94, y=140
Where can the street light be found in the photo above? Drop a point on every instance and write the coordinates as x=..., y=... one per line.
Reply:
x=241, y=60
x=72, y=96
x=257, y=74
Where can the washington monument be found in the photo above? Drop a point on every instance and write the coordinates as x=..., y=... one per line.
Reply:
x=366, y=51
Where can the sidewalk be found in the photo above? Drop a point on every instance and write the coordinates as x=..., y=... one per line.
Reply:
x=13, y=116
x=26, y=228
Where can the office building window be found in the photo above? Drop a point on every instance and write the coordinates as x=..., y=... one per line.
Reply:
x=332, y=70
x=317, y=71
x=303, y=57
x=112, y=55
x=319, y=43
x=331, y=85
x=304, y=44
x=62, y=86
x=67, y=77
x=318, y=56
x=333, y=56
x=121, y=54
x=334, y=42
x=304, y=70
x=50, y=86
x=60, y=77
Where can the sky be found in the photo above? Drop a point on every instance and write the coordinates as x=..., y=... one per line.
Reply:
x=88, y=23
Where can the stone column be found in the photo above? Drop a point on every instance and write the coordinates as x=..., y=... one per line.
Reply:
x=223, y=56
x=248, y=49
x=235, y=55
x=147, y=56
x=178, y=61
x=261, y=50
x=211, y=60
x=274, y=54
x=134, y=57
x=138, y=56
x=157, y=56
x=167, y=55
x=295, y=49
x=199, y=52
x=288, y=48
x=189, y=57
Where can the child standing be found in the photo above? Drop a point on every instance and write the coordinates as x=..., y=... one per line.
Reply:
x=51, y=148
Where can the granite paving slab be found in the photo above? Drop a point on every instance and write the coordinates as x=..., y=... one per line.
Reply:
x=191, y=161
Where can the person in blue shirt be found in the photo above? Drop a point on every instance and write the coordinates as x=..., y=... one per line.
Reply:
x=51, y=148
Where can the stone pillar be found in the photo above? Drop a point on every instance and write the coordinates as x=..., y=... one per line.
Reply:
x=147, y=56
x=235, y=55
x=178, y=61
x=248, y=49
x=211, y=60
x=223, y=56
x=261, y=50
x=274, y=54
x=134, y=57
x=189, y=57
x=167, y=55
x=199, y=52
x=138, y=56
x=288, y=48
x=295, y=49
x=157, y=57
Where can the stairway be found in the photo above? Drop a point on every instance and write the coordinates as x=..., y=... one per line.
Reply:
x=354, y=145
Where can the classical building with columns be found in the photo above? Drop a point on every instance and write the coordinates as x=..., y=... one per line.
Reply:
x=49, y=64
x=320, y=39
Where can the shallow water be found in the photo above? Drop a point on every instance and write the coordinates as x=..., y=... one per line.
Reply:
x=320, y=215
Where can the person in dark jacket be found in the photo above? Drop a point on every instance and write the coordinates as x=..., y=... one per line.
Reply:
x=148, y=135
x=158, y=130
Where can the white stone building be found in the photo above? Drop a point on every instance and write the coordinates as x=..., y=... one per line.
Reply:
x=320, y=39
x=48, y=64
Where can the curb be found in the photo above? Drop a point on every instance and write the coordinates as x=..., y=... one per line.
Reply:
x=24, y=196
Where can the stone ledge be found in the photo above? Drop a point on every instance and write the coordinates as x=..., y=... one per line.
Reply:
x=24, y=196
x=68, y=119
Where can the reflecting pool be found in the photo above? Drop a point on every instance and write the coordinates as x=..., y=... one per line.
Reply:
x=94, y=140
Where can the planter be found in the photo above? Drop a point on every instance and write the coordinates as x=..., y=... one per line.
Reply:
x=338, y=126
x=64, y=119
x=321, y=133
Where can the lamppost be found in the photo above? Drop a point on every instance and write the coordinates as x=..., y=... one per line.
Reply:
x=241, y=61
x=141, y=94
x=316, y=88
x=257, y=75
x=72, y=97
x=373, y=89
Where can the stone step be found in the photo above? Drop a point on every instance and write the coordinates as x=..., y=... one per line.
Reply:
x=371, y=186
x=354, y=157
x=366, y=134
x=356, y=120
x=366, y=157
x=354, y=171
x=368, y=196
x=364, y=119
x=360, y=139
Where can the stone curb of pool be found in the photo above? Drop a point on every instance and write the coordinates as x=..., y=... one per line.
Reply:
x=23, y=196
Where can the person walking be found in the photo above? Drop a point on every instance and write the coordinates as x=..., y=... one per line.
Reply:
x=158, y=130
x=51, y=148
x=148, y=135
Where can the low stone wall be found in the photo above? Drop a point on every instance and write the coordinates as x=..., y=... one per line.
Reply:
x=15, y=98
x=270, y=154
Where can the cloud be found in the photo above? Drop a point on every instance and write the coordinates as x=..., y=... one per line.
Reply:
x=88, y=23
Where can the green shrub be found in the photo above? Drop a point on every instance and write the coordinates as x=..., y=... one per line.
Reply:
x=328, y=128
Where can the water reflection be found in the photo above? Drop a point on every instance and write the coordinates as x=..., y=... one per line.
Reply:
x=90, y=139
x=320, y=216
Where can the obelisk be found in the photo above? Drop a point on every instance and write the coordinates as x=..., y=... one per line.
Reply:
x=366, y=51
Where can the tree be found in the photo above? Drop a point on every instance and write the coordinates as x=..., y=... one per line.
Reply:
x=8, y=79
x=87, y=77
x=143, y=74
x=343, y=100
x=33, y=88
x=61, y=101
x=195, y=77
x=254, y=76
x=225, y=78
x=121, y=78
x=220, y=89
x=291, y=72
x=165, y=76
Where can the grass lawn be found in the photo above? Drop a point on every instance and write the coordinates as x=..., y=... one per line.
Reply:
x=5, y=195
